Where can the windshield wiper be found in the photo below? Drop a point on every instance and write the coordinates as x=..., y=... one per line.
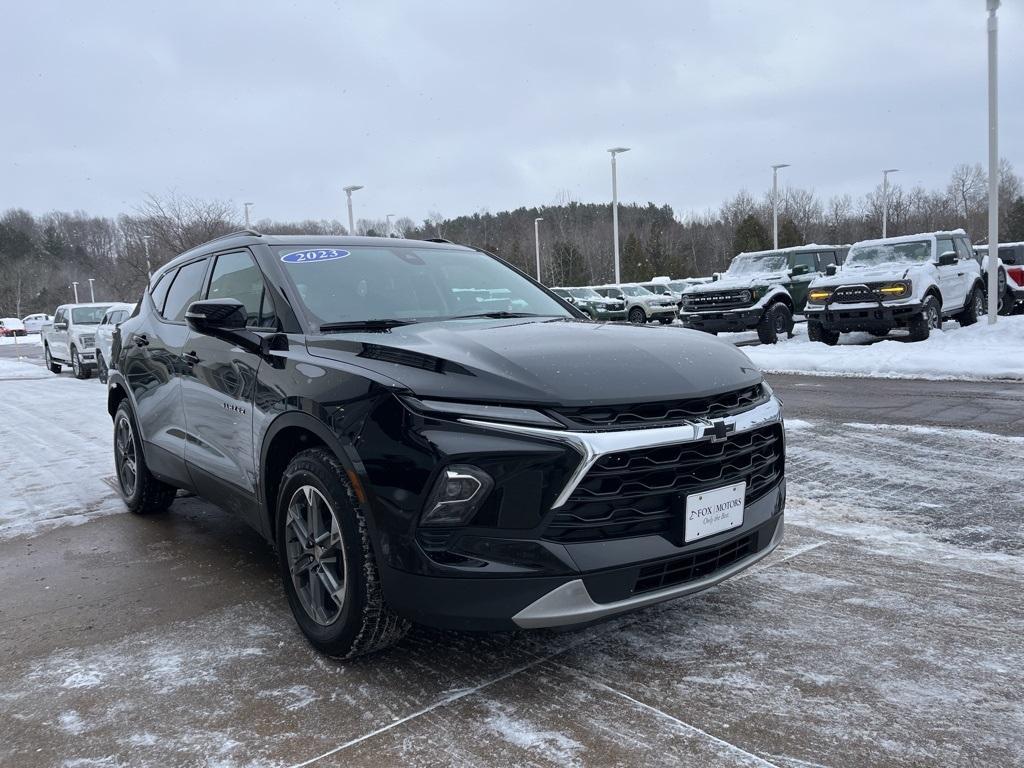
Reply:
x=376, y=324
x=501, y=315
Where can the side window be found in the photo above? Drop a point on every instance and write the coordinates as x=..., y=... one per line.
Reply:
x=105, y=319
x=159, y=291
x=963, y=250
x=185, y=289
x=825, y=258
x=807, y=259
x=59, y=317
x=943, y=245
x=236, y=276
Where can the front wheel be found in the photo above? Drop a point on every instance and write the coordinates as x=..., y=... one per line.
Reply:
x=665, y=320
x=54, y=367
x=327, y=563
x=929, y=319
x=637, y=316
x=143, y=494
x=776, y=321
x=817, y=332
x=80, y=371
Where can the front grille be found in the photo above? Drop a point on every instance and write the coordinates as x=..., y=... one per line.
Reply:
x=632, y=415
x=643, y=492
x=717, y=300
x=853, y=294
x=695, y=566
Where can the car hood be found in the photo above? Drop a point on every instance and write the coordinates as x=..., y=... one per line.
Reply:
x=561, y=362
x=745, y=281
x=875, y=274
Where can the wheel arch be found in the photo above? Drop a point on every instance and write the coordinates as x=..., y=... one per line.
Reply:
x=289, y=434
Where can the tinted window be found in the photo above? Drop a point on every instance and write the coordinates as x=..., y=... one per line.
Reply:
x=943, y=245
x=806, y=259
x=825, y=258
x=185, y=289
x=236, y=276
x=159, y=290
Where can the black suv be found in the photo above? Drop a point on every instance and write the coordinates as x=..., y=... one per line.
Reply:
x=427, y=434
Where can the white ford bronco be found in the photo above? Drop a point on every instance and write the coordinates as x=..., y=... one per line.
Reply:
x=910, y=282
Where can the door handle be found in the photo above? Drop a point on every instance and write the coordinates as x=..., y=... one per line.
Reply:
x=142, y=340
x=191, y=358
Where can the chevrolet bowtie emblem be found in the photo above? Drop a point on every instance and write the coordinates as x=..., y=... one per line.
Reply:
x=720, y=430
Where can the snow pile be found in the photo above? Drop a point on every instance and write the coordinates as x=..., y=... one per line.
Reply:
x=16, y=369
x=978, y=352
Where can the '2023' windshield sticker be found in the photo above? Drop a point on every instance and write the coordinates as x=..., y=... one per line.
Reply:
x=315, y=254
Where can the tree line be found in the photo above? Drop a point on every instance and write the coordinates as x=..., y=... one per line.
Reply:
x=42, y=255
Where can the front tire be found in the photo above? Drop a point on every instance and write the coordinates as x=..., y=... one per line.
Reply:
x=327, y=564
x=637, y=316
x=80, y=371
x=142, y=493
x=776, y=320
x=929, y=319
x=54, y=367
x=817, y=332
x=665, y=320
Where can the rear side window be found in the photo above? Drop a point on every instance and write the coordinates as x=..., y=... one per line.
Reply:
x=159, y=291
x=806, y=259
x=944, y=245
x=186, y=288
x=963, y=249
x=825, y=258
x=236, y=276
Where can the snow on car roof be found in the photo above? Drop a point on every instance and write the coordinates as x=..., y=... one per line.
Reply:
x=808, y=247
x=910, y=238
x=984, y=247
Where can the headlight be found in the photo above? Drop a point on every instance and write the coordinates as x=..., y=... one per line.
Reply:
x=819, y=295
x=895, y=290
x=458, y=494
x=746, y=295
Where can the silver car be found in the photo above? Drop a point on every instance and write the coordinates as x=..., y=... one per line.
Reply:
x=642, y=306
x=115, y=314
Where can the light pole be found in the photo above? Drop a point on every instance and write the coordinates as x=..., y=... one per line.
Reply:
x=615, y=208
x=775, y=203
x=92, y=293
x=885, y=197
x=387, y=226
x=247, y=214
x=536, y=240
x=348, y=193
x=149, y=269
x=993, y=163
x=74, y=284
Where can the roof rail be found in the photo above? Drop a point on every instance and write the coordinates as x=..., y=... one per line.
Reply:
x=236, y=233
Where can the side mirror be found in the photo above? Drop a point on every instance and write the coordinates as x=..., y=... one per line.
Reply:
x=799, y=269
x=214, y=315
x=947, y=259
x=60, y=326
x=831, y=269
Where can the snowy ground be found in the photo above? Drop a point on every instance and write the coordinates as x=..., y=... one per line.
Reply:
x=978, y=352
x=885, y=631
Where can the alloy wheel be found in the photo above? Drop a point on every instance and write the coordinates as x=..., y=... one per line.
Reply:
x=934, y=320
x=979, y=304
x=75, y=364
x=125, y=456
x=316, y=555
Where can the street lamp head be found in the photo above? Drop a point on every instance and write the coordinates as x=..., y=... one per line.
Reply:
x=618, y=150
x=780, y=165
x=890, y=170
x=352, y=188
x=539, y=218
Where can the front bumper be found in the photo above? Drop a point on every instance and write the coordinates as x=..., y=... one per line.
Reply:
x=872, y=317
x=553, y=582
x=723, y=320
x=660, y=312
x=610, y=314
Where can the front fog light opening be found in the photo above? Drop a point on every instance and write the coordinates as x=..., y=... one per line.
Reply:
x=459, y=492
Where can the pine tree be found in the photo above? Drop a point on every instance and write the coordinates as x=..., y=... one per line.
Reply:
x=1014, y=222
x=789, y=234
x=751, y=236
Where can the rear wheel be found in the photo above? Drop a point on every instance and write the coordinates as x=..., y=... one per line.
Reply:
x=817, y=332
x=775, y=321
x=929, y=319
x=974, y=307
x=101, y=368
x=327, y=563
x=143, y=494
x=637, y=316
x=54, y=367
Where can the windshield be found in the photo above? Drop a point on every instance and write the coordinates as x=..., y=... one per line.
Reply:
x=585, y=293
x=678, y=286
x=88, y=315
x=757, y=263
x=659, y=288
x=635, y=290
x=887, y=253
x=360, y=283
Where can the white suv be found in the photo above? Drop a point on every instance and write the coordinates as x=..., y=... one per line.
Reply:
x=642, y=306
x=910, y=282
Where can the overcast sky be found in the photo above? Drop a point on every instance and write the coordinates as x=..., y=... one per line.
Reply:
x=461, y=106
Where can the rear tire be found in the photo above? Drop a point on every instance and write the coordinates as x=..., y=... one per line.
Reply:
x=101, y=368
x=817, y=332
x=928, y=319
x=142, y=493
x=776, y=320
x=1006, y=301
x=974, y=307
x=54, y=367
x=327, y=565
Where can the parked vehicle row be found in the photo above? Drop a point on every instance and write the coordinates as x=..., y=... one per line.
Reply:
x=1011, y=275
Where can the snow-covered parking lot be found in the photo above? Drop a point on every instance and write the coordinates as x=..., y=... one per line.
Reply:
x=886, y=630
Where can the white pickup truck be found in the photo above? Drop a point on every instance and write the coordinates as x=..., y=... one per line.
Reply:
x=71, y=338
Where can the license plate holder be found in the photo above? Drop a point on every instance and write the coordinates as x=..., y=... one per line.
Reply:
x=713, y=511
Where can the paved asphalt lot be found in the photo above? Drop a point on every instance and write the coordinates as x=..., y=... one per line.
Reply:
x=886, y=630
